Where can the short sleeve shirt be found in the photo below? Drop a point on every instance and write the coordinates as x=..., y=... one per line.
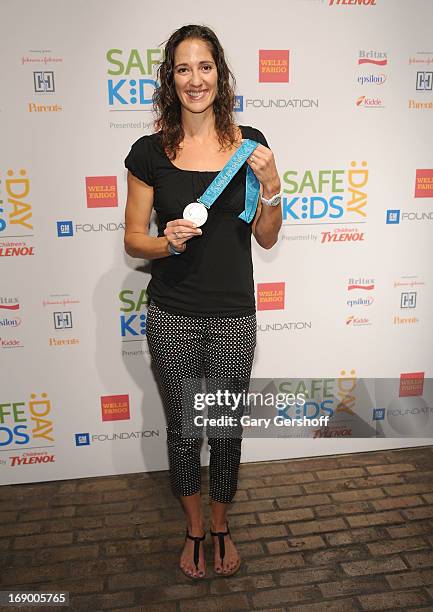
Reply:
x=214, y=275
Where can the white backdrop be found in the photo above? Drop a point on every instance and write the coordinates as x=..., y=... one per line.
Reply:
x=329, y=83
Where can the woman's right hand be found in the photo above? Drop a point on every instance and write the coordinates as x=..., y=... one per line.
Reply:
x=179, y=231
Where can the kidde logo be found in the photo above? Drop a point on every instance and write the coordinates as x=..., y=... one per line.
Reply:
x=352, y=2
x=363, y=101
x=424, y=184
x=342, y=235
x=115, y=407
x=355, y=321
x=378, y=58
x=10, y=343
x=411, y=384
x=273, y=66
x=270, y=296
x=101, y=191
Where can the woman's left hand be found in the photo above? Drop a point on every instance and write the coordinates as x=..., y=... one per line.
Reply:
x=262, y=163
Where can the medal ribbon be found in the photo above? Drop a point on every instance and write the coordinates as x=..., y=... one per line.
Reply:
x=220, y=182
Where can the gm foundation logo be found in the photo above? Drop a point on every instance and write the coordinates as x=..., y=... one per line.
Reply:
x=377, y=58
x=24, y=423
x=270, y=296
x=324, y=196
x=378, y=414
x=392, y=216
x=115, y=407
x=273, y=66
x=65, y=228
x=16, y=216
x=424, y=184
x=82, y=439
x=410, y=216
x=411, y=384
x=133, y=322
x=101, y=191
x=239, y=104
x=131, y=83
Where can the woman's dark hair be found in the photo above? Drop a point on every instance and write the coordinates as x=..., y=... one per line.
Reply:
x=167, y=104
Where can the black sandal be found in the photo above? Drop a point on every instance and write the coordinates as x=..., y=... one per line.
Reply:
x=196, y=540
x=220, y=535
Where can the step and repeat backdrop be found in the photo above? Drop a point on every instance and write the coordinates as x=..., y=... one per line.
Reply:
x=342, y=90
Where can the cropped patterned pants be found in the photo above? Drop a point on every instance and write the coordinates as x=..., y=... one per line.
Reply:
x=185, y=348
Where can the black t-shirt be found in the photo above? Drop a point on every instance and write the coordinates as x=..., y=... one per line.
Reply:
x=214, y=276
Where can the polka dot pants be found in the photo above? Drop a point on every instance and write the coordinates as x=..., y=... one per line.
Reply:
x=187, y=349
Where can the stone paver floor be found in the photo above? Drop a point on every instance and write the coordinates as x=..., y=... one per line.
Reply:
x=336, y=533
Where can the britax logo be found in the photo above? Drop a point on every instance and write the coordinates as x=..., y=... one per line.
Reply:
x=378, y=58
x=360, y=283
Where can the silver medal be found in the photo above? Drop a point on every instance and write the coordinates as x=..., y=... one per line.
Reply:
x=195, y=212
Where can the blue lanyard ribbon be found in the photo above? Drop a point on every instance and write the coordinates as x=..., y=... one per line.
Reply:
x=220, y=182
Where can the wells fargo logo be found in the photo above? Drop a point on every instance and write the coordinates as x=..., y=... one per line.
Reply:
x=424, y=183
x=270, y=296
x=101, y=191
x=273, y=66
x=411, y=384
x=115, y=407
x=25, y=423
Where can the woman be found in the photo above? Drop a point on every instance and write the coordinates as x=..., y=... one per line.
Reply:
x=201, y=317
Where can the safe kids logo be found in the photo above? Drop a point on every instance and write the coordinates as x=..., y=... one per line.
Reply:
x=115, y=407
x=131, y=81
x=25, y=423
x=324, y=396
x=270, y=296
x=424, y=183
x=273, y=66
x=323, y=196
x=15, y=207
x=134, y=307
x=101, y=191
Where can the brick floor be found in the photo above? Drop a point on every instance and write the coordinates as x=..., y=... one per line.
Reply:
x=344, y=532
